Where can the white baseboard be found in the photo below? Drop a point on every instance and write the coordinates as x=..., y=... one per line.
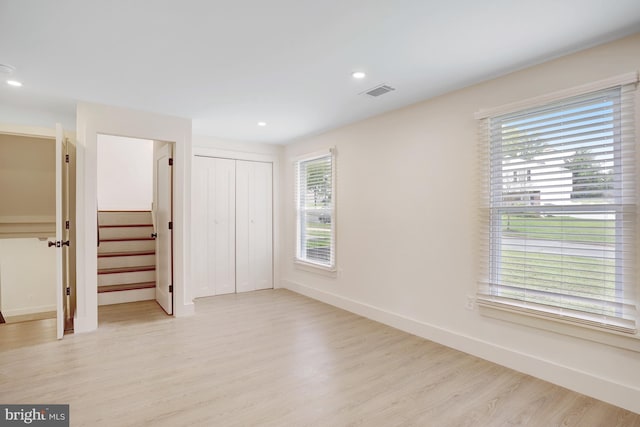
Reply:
x=621, y=395
x=119, y=297
x=28, y=310
x=82, y=324
x=184, y=309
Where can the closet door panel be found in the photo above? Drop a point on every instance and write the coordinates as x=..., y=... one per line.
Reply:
x=254, y=227
x=243, y=226
x=262, y=226
x=203, y=283
x=223, y=215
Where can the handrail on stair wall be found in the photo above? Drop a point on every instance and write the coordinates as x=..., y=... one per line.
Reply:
x=98, y=224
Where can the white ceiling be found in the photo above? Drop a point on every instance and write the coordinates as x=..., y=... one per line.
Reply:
x=228, y=64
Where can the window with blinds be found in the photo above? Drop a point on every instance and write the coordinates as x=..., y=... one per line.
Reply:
x=559, y=210
x=315, y=204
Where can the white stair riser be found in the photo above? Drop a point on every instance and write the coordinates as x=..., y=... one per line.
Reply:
x=126, y=261
x=132, y=245
x=125, y=278
x=117, y=218
x=125, y=232
x=120, y=297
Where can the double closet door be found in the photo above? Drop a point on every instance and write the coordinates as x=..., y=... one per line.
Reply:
x=233, y=223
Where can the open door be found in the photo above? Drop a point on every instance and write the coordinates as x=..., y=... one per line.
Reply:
x=163, y=215
x=61, y=243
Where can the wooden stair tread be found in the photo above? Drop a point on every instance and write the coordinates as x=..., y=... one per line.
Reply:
x=127, y=239
x=126, y=287
x=125, y=225
x=129, y=253
x=126, y=269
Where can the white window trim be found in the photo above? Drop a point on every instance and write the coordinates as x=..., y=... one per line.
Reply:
x=537, y=101
x=315, y=268
x=558, y=325
x=330, y=271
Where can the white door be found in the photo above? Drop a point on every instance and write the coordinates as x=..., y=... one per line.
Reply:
x=60, y=241
x=163, y=214
x=214, y=223
x=202, y=286
x=254, y=225
x=222, y=207
x=233, y=223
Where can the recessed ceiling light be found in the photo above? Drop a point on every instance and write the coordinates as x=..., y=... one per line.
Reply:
x=262, y=124
x=14, y=83
x=358, y=75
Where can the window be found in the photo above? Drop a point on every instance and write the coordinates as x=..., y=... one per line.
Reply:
x=559, y=210
x=315, y=204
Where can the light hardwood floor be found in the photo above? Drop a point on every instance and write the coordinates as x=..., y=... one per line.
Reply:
x=273, y=358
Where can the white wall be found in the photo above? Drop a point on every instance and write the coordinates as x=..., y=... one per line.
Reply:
x=125, y=173
x=92, y=120
x=407, y=229
x=41, y=111
x=27, y=277
x=202, y=143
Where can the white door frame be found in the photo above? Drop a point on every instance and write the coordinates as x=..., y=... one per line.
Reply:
x=94, y=119
x=58, y=243
x=54, y=133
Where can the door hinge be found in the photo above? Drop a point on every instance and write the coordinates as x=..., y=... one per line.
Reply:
x=170, y=225
x=170, y=288
x=66, y=158
x=68, y=290
x=170, y=161
x=66, y=225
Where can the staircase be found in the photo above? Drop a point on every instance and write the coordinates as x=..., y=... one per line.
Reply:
x=126, y=257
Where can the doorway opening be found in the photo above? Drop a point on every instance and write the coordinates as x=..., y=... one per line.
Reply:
x=134, y=192
x=27, y=223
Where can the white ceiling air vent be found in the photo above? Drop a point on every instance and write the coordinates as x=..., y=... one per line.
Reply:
x=379, y=90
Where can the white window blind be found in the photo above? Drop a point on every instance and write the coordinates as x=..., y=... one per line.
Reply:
x=558, y=210
x=315, y=204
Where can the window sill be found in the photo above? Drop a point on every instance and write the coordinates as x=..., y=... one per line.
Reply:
x=611, y=338
x=315, y=268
